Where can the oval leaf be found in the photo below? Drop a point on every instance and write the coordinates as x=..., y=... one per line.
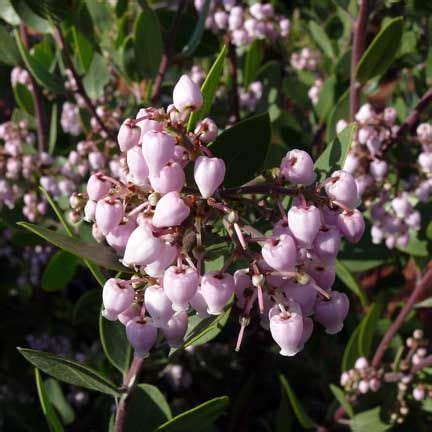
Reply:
x=350, y=282
x=59, y=271
x=368, y=327
x=208, y=89
x=69, y=371
x=305, y=421
x=340, y=396
x=244, y=148
x=97, y=253
x=381, y=52
x=198, y=418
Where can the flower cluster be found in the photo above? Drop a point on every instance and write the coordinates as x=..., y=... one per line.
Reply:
x=306, y=59
x=20, y=76
x=70, y=121
x=412, y=387
x=158, y=228
x=244, y=24
x=250, y=97
x=392, y=210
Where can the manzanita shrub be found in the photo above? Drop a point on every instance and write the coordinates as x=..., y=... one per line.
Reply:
x=215, y=215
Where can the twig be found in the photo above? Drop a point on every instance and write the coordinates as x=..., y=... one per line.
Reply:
x=265, y=188
x=423, y=283
x=128, y=384
x=426, y=362
x=41, y=121
x=359, y=30
x=232, y=56
x=167, y=54
x=80, y=87
x=411, y=121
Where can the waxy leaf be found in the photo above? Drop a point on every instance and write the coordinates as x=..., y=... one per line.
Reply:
x=59, y=401
x=350, y=282
x=198, y=418
x=305, y=421
x=320, y=37
x=208, y=89
x=48, y=410
x=97, y=253
x=59, y=271
x=340, y=396
x=197, y=34
x=9, y=53
x=69, y=371
x=369, y=421
x=368, y=328
x=114, y=343
x=381, y=52
x=243, y=147
x=147, y=409
x=97, y=77
x=334, y=155
x=254, y=57
x=148, y=42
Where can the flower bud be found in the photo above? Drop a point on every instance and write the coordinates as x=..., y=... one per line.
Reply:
x=304, y=223
x=280, y=254
x=297, y=167
x=138, y=169
x=142, y=335
x=158, y=305
x=242, y=281
x=206, y=130
x=327, y=243
x=142, y=247
x=341, y=187
x=287, y=329
x=171, y=178
x=180, y=285
x=129, y=136
x=97, y=233
x=331, y=313
x=176, y=328
x=307, y=331
x=119, y=236
x=131, y=312
x=170, y=211
x=401, y=206
x=166, y=256
x=115, y=298
x=351, y=163
x=109, y=214
x=361, y=363
x=199, y=304
x=209, y=174
x=157, y=149
x=90, y=211
x=378, y=169
x=304, y=295
x=97, y=188
x=425, y=162
x=418, y=393
x=187, y=95
x=351, y=225
x=217, y=289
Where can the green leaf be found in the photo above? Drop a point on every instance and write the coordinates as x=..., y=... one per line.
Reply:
x=83, y=48
x=97, y=77
x=51, y=10
x=326, y=99
x=29, y=18
x=53, y=129
x=9, y=53
x=254, y=58
x=424, y=304
x=208, y=89
x=340, y=396
x=148, y=43
x=351, y=353
x=196, y=36
x=340, y=111
x=201, y=331
x=305, y=421
x=197, y=419
x=87, y=308
x=147, y=409
x=350, y=282
x=60, y=403
x=97, y=253
x=114, y=343
x=59, y=271
x=321, y=39
x=381, y=52
x=69, y=371
x=248, y=140
x=51, y=417
x=368, y=328
x=128, y=60
x=42, y=75
x=368, y=421
x=7, y=12
x=24, y=98
x=334, y=155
